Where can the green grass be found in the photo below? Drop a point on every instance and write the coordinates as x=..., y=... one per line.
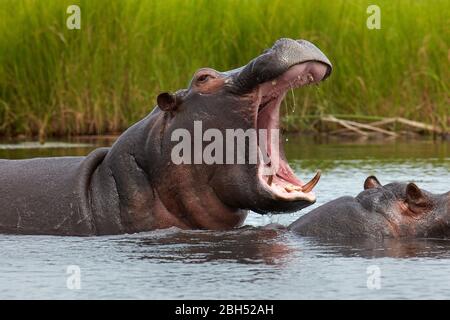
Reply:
x=106, y=75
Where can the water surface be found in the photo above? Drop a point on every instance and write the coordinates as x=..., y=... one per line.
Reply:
x=248, y=263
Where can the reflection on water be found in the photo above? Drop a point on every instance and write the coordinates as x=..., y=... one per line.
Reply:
x=46, y=145
x=247, y=245
x=251, y=262
x=317, y=148
x=371, y=248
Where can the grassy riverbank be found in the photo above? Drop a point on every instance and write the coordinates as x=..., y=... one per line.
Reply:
x=106, y=75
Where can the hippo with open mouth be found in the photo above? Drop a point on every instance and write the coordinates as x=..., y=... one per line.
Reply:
x=395, y=210
x=135, y=186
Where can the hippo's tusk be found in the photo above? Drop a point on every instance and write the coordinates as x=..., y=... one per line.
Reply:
x=269, y=180
x=311, y=184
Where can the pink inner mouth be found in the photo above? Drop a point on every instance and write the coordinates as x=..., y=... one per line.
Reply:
x=284, y=183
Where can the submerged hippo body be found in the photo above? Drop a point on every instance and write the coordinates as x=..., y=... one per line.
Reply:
x=135, y=186
x=395, y=210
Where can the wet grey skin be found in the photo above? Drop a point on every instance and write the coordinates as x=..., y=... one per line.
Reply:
x=134, y=186
x=395, y=210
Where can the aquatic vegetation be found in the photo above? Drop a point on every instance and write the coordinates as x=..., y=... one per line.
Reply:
x=106, y=75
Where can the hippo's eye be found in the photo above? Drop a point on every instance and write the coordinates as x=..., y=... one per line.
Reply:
x=203, y=78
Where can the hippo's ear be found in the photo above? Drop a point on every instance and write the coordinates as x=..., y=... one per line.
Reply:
x=167, y=101
x=415, y=196
x=371, y=182
x=418, y=202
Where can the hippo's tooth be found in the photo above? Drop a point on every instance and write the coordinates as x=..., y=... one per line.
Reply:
x=310, y=78
x=274, y=82
x=311, y=184
x=289, y=188
x=269, y=180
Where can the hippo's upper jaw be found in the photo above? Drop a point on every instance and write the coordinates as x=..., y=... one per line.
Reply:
x=276, y=61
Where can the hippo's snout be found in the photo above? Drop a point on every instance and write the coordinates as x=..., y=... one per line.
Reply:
x=275, y=61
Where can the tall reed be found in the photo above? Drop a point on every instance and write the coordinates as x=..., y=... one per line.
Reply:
x=106, y=75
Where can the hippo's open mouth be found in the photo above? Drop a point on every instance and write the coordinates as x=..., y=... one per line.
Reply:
x=282, y=183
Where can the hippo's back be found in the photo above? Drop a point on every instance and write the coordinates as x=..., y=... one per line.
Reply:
x=341, y=217
x=46, y=195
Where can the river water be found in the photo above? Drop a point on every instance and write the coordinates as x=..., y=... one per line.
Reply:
x=248, y=263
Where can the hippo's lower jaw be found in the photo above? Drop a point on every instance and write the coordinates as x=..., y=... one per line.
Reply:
x=283, y=184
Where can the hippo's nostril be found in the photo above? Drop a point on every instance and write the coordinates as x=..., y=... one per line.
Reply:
x=203, y=78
